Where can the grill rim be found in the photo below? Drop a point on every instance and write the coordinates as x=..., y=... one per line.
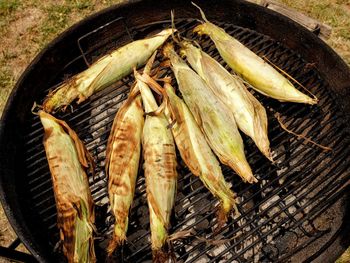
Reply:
x=9, y=196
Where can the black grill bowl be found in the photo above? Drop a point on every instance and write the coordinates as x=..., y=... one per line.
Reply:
x=299, y=210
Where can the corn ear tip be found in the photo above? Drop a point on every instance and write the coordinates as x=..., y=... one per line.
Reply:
x=160, y=256
x=47, y=105
x=249, y=179
x=225, y=210
x=252, y=180
x=270, y=158
x=114, y=243
x=51, y=106
x=222, y=216
x=198, y=29
x=81, y=98
x=268, y=155
x=314, y=101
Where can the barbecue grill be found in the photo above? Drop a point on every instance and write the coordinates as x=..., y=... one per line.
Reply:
x=299, y=210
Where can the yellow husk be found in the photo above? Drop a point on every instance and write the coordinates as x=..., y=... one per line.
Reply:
x=68, y=158
x=249, y=114
x=160, y=170
x=212, y=116
x=262, y=76
x=105, y=71
x=122, y=163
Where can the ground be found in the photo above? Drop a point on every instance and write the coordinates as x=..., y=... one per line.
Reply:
x=27, y=26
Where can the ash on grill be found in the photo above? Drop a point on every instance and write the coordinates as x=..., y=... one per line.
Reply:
x=280, y=216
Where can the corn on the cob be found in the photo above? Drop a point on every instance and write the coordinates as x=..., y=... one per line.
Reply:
x=249, y=114
x=261, y=75
x=105, y=71
x=213, y=117
x=160, y=171
x=122, y=162
x=67, y=158
x=196, y=153
x=194, y=149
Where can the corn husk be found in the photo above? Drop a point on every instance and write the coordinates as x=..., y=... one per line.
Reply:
x=215, y=120
x=68, y=159
x=105, y=71
x=261, y=75
x=197, y=155
x=249, y=114
x=122, y=160
x=122, y=163
x=160, y=171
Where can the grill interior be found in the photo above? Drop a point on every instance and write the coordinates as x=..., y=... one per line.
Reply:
x=286, y=212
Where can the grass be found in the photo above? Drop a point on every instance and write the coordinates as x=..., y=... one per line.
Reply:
x=60, y=17
x=7, y=7
x=26, y=26
x=335, y=13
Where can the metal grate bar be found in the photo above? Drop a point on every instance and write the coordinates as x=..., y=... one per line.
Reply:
x=237, y=230
x=300, y=209
x=49, y=182
x=269, y=207
x=192, y=193
x=280, y=224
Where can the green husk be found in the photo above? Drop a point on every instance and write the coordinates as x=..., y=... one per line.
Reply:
x=68, y=159
x=197, y=155
x=159, y=169
x=105, y=71
x=212, y=116
x=249, y=114
x=261, y=75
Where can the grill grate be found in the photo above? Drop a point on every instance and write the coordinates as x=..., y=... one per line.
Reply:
x=280, y=216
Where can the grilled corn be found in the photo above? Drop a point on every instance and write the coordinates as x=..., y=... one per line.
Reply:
x=122, y=162
x=194, y=149
x=213, y=117
x=67, y=158
x=160, y=171
x=105, y=71
x=261, y=75
x=196, y=153
x=249, y=114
